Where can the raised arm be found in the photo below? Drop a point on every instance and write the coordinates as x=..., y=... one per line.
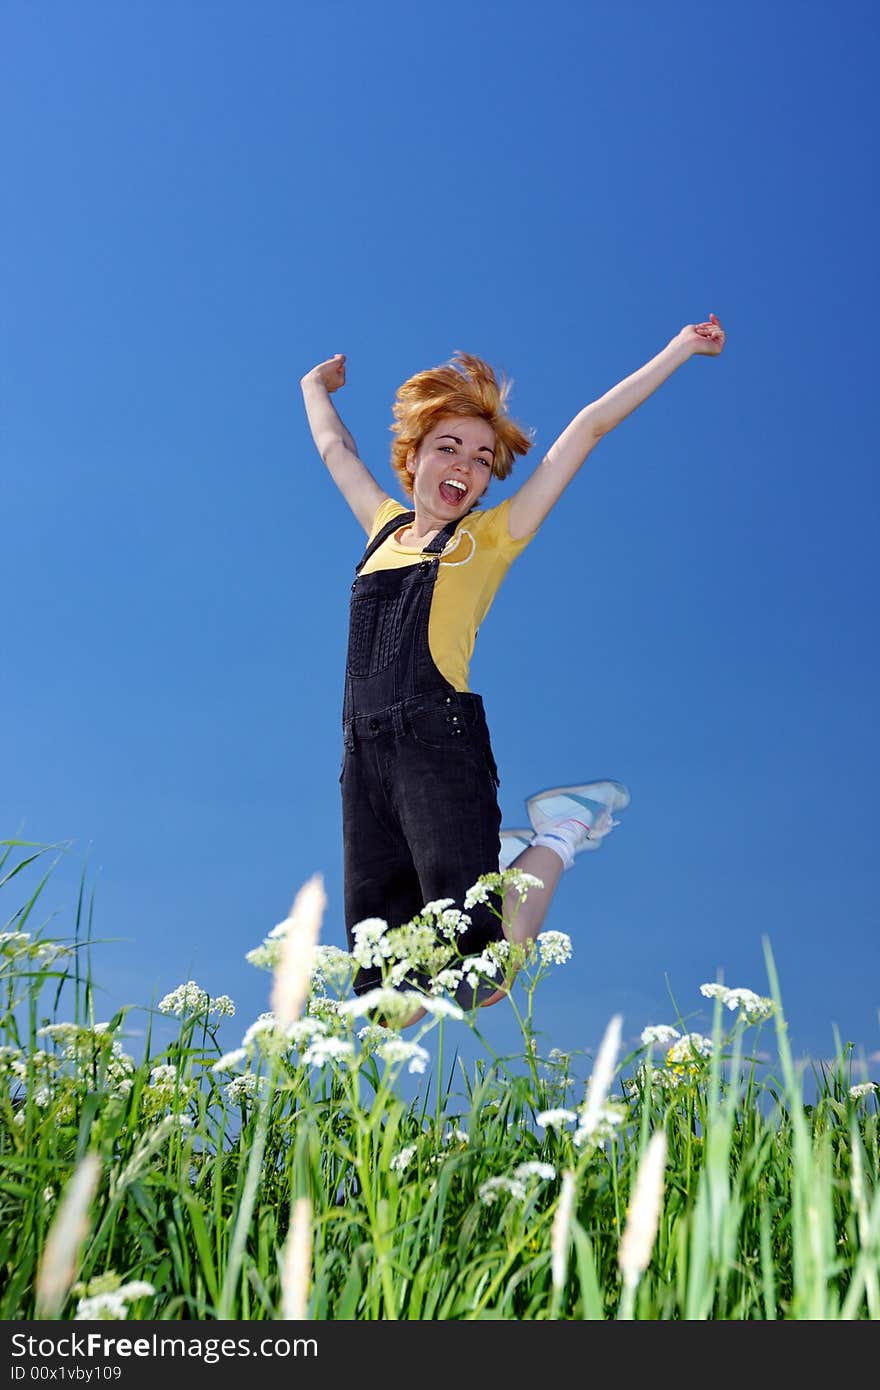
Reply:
x=334, y=443
x=531, y=503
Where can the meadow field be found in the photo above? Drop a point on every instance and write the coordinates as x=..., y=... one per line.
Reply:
x=687, y=1178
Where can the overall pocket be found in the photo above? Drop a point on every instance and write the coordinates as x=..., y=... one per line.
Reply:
x=436, y=724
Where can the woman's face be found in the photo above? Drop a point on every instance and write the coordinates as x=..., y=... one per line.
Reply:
x=452, y=468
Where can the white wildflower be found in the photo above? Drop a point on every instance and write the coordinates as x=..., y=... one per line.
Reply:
x=63, y=1032
x=188, y=998
x=442, y=1008
x=457, y=1136
x=555, y=947
x=490, y=1190
x=192, y=999
x=506, y=880
x=756, y=1007
x=230, y=1060
x=137, y=1288
x=244, y=1088
x=394, y=1005
x=520, y=881
x=163, y=1075
x=400, y=971
x=401, y=1161
x=261, y=1027
x=434, y=909
x=545, y=1171
x=266, y=955
x=302, y=1030
x=661, y=1033
x=485, y=964
x=550, y=1119
x=321, y=1006
x=111, y=1304
x=396, y=1049
x=453, y=923
x=332, y=966
x=689, y=1048
x=864, y=1088
x=47, y=952
x=714, y=991
x=370, y=946
x=324, y=1050
x=101, y=1307
x=557, y=1058
x=371, y=1035
x=445, y=979
x=600, y=1125
x=478, y=894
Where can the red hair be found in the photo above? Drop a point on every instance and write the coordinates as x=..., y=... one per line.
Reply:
x=466, y=385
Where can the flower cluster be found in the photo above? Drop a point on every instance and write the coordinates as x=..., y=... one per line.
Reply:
x=515, y=1184
x=595, y=1127
x=85, y=1054
x=755, y=1007
x=19, y=947
x=165, y=1089
x=401, y=1161
x=554, y=947
x=191, y=999
x=106, y=1297
x=506, y=880
x=419, y=963
x=864, y=1088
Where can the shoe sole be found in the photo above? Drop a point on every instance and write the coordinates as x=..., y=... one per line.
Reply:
x=592, y=797
x=515, y=833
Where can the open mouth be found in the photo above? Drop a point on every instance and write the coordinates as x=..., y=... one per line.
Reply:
x=452, y=491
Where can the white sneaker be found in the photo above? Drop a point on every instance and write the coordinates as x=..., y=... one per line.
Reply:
x=587, y=809
x=513, y=842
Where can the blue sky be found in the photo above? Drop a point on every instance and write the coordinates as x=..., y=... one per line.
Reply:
x=201, y=202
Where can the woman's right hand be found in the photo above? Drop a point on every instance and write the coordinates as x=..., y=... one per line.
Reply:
x=331, y=374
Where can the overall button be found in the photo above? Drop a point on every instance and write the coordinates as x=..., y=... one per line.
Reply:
x=374, y=726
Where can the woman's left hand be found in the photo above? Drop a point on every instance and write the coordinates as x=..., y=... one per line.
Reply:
x=706, y=338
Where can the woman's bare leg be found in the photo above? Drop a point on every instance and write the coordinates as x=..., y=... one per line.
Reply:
x=523, y=919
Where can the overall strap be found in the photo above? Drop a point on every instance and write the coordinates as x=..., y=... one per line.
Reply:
x=406, y=519
x=402, y=519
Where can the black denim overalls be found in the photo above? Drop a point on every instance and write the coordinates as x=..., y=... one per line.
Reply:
x=420, y=812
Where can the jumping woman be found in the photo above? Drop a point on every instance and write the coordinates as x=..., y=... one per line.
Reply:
x=419, y=782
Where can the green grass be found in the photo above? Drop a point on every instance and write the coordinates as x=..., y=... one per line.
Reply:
x=770, y=1206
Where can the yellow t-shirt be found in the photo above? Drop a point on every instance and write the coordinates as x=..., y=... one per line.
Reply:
x=471, y=568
